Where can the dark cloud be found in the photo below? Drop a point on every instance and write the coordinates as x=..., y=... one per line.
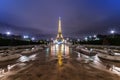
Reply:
x=79, y=17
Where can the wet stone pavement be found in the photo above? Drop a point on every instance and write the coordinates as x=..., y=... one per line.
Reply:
x=59, y=62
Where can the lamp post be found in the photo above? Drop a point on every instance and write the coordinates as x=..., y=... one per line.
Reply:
x=8, y=33
x=33, y=39
x=86, y=38
x=112, y=32
x=25, y=36
x=94, y=36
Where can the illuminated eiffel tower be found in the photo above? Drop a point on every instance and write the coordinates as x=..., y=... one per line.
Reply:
x=59, y=38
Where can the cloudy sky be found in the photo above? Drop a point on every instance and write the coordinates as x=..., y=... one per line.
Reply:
x=40, y=17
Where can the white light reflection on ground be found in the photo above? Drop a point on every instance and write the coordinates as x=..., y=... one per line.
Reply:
x=32, y=57
x=95, y=62
x=105, y=66
x=27, y=58
x=23, y=59
x=9, y=67
x=19, y=65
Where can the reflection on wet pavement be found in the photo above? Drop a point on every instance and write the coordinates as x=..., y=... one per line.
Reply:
x=59, y=52
x=23, y=59
x=20, y=63
x=97, y=63
x=27, y=58
x=60, y=62
x=63, y=49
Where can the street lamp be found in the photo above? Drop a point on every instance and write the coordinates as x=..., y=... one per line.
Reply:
x=78, y=40
x=95, y=36
x=32, y=38
x=8, y=33
x=112, y=31
x=25, y=36
x=86, y=39
x=90, y=37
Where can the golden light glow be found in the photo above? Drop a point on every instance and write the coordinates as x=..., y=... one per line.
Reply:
x=59, y=26
x=59, y=52
x=59, y=35
x=60, y=58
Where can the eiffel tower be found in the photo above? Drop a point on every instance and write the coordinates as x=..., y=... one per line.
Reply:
x=59, y=38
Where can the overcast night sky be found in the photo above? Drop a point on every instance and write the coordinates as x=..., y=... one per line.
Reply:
x=79, y=17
